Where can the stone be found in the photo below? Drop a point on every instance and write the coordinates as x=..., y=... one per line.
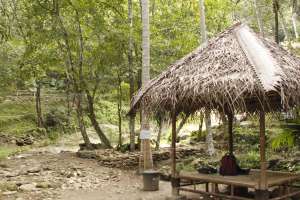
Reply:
x=44, y=185
x=11, y=174
x=9, y=193
x=11, y=186
x=35, y=169
x=3, y=165
x=28, y=187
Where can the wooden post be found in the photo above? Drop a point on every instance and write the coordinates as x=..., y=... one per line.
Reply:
x=175, y=191
x=262, y=192
x=230, y=132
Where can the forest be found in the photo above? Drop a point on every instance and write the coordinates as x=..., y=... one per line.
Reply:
x=70, y=70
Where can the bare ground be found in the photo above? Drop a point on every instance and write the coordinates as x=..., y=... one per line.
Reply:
x=55, y=172
x=64, y=176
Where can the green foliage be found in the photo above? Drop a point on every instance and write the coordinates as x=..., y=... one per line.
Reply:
x=6, y=151
x=41, y=38
x=250, y=160
x=186, y=165
x=17, y=118
x=284, y=138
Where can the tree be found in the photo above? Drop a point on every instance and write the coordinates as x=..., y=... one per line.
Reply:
x=145, y=126
x=131, y=75
x=259, y=17
x=276, y=18
x=209, y=136
x=294, y=17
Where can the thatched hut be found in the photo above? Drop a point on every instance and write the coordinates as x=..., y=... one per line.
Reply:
x=237, y=71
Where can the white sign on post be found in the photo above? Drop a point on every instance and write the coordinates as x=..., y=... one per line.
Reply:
x=145, y=134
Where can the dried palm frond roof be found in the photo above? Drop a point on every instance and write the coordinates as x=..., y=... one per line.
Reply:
x=237, y=70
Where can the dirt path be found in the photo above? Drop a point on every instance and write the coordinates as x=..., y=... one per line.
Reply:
x=46, y=176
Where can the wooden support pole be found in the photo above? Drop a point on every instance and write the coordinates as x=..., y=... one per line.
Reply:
x=263, y=164
x=175, y=191
x=230, y=132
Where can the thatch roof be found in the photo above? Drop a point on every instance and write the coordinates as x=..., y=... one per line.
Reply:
x=237, y=70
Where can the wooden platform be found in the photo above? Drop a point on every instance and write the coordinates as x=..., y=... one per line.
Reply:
x=249, y=181
x=283, y=181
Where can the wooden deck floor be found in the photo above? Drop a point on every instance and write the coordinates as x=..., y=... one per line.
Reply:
x=249, y=181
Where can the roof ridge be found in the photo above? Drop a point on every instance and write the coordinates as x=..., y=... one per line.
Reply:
x=259, y=56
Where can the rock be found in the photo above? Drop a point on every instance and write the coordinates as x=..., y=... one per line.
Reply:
x=26, y=140
x=3, y=165
x=35, y=169
x=9, y=193
x=11, y=174
x=44, y=185
x=28, y=187
x=11, y=186
x=20, y=198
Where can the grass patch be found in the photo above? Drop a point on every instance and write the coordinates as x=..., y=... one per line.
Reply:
x=6, y=151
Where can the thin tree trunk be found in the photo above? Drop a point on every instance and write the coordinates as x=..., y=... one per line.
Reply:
x=294, y=22
x=276, y=31
x=38, y=106
x=160, y=126
x=181, y=124
x=131, y=77
x=200, y=127
x=284, y=26
x=259, y=17
x=294, y=17
x=224, y=125
x=145, y=126
x=209, y=136
x=81, y=122
x=119, y=110
x=93, y=119
x=202, y=21
x=68, y=102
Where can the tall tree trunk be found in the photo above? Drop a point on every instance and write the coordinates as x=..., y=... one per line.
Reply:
x=276, y=18
x=207, y=116
x=68, y=102
x=160, y=126
x=38, y=106
x=209, y=136
x=145, y=126
x=131, y=76
x=200, y=126
x=120, y=110
x=294, y=17
x=81, y=123
x=202, y=21
x=284, y=26
x=259, y=17
x=181, y=124
x=93, y=119
x=294, y=22
x=224, y=125
x=81, y=84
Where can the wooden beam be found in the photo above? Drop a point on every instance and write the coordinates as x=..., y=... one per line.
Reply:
x=263, y=164
x=214, y=194
x=230, y=132
x=173, y=156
